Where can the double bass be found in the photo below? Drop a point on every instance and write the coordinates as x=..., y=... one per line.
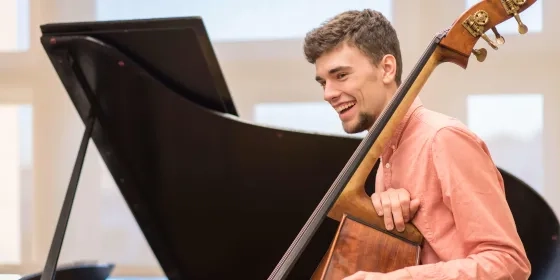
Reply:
x=360, y=230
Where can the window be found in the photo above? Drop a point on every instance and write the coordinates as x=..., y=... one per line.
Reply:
x=242, y=20
x=532, y=17
x=14, y=25
x=511, y=125
x=313, y=117
x=15, y=176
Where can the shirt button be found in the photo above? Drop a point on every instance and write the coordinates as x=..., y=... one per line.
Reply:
x=393, y=147
x=387, y=165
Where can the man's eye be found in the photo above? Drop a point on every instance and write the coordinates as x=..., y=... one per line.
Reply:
x=341, y=75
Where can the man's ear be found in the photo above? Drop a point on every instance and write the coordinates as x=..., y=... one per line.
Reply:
x=388, y=65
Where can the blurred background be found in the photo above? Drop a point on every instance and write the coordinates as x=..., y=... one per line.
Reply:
x=511, y=100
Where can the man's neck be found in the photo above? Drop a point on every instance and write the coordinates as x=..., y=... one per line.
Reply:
x=390, y=92
x=394, y=139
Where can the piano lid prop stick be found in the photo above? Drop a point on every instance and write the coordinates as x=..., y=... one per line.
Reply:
x=58, y=238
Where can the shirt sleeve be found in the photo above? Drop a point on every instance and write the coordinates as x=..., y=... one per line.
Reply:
x=472, y=188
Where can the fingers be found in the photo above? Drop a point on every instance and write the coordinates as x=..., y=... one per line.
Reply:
x=396, y=207
x=396, y=210
x=387, y=209
x=404, y=199
x=376, y=200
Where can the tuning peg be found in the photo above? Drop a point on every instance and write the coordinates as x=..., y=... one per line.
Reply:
x=480, y=54
x=512, y=8
x=500, y=40
x=522, y=28
x=489, y=41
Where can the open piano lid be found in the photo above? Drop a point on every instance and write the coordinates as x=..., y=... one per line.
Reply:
x=216, y=197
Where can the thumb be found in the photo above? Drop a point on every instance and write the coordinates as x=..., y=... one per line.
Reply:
x=414, y=205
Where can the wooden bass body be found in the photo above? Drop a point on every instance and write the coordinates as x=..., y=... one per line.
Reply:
x=361, y=246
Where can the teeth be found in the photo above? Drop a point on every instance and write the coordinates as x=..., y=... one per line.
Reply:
x=345, y=106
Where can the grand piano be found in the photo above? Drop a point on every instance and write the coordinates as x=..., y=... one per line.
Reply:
x=216, y=197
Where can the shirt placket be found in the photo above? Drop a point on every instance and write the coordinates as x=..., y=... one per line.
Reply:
x=387, y=167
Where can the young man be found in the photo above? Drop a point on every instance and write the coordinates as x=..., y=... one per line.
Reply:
x=434, y=171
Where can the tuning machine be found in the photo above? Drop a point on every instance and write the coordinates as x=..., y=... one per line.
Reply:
x=522, y=28
x=474, y=24
x=512, y=8
x=480, y=54
x=500, y=40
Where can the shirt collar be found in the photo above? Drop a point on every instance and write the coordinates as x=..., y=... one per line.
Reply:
x=395, y=139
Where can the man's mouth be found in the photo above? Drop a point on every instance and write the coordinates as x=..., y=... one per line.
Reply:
x=341, y=109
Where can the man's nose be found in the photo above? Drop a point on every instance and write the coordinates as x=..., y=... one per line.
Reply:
x=331, y=93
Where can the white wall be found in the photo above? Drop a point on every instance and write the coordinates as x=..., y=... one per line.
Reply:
x=241, y=20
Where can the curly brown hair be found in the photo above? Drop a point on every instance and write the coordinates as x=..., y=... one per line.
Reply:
x=368, y=30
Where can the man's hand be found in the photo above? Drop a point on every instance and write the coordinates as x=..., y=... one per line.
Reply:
x=395, y=206
x=395, y=275
x=362, y=275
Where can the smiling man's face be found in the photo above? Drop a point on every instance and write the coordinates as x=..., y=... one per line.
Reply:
x=356, y=89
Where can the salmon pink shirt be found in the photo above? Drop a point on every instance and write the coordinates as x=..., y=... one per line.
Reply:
x=468, y=227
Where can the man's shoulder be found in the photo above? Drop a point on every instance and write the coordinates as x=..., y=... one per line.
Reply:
x=429, y=124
